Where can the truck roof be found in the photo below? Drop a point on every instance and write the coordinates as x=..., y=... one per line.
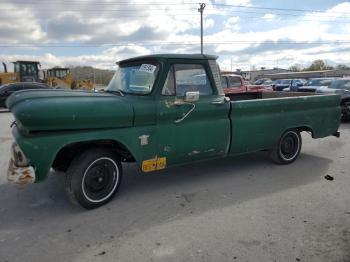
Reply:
x=27, y=62
x=166, y=56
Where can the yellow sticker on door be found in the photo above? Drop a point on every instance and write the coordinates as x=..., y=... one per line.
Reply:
x=153, y=164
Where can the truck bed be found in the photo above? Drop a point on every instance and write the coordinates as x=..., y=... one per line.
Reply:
x=259, y=119
x=265, y=95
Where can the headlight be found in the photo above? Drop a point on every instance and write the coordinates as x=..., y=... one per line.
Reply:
x=18, y=156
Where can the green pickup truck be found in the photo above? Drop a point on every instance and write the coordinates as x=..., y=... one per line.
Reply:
x=158, y=111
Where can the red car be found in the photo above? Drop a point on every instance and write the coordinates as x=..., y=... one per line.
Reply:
x=234, y=84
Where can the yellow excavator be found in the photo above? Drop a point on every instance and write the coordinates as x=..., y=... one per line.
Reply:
x=24, y=71
x=28, y=71
x=61, y=77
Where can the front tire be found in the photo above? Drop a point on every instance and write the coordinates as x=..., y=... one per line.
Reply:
x=288, y=147
x=93, y=178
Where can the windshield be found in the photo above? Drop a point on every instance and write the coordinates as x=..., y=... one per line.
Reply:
x=28, y=69
x=318, y=82
x=285, y=82
x=340, y=84
x=135, y=78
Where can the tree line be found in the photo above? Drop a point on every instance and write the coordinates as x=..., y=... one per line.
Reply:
x=98, y=76
x=317, y=65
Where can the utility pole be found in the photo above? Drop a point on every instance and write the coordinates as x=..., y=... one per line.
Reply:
x=200, y=10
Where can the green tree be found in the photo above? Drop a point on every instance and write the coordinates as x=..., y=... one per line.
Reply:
x=342, y=67
x=296, y=68
x=318, y=65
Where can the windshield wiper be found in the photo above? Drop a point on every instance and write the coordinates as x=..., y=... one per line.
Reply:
x=114, y=92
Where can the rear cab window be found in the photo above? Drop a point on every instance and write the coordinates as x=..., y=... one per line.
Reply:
x=234, y=81
x=224, y=82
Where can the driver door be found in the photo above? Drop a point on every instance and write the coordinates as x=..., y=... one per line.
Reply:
x=190, y=131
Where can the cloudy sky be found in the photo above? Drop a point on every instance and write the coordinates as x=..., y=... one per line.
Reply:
x=244, y=33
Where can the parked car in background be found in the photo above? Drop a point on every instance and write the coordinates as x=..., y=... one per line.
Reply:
x=341, y=87
x=8, y=89
x=313, y=83
x=268, y=82
x=234, y=84
x=288, y=84
x=263, y=81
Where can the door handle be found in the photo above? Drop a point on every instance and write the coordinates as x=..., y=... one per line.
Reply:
x=185, y=115
x=218, y=102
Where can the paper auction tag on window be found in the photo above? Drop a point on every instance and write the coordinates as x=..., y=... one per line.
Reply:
x=147, y=68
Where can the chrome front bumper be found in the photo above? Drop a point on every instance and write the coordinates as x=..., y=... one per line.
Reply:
x=19, y=171
x=20, y=175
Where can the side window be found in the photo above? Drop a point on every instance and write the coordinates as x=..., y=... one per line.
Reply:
x=13, y=88
x=30, y=87
x=224, y=82
x=16, y=68
x=234, y=81
x=3, y=90
x=191, y=77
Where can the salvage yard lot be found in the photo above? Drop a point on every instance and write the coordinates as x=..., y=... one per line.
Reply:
x=238, y=209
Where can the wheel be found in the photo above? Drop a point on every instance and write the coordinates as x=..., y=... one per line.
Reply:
x=287, y=149
x=93, y=178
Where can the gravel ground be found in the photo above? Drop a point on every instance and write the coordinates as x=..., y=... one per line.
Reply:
x=237, y=209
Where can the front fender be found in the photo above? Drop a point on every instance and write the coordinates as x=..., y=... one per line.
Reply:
x=41, y=149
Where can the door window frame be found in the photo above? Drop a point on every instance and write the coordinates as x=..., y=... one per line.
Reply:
x=172, y=68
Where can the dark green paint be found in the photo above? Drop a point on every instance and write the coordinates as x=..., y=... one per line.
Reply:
x=47, y=121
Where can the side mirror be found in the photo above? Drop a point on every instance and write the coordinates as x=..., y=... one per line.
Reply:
x=299, y=84
x=191, y=96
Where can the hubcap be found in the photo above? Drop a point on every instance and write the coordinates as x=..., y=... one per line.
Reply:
x=289, y=146
x=100, y=179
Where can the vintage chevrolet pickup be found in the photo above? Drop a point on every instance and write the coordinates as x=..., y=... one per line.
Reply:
x=158, y=111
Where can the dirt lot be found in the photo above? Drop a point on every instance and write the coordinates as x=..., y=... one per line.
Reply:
x=238, y=209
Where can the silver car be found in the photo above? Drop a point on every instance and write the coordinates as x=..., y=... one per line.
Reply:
x=341, y=87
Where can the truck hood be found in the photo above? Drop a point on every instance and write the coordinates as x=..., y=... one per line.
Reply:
x=48, y=110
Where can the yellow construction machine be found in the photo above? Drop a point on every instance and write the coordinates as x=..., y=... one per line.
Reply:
x=62, y=78
x=24, y=71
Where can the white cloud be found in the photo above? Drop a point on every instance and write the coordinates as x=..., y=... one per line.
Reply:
x=269, y=17
x=176, y=23
x=106, y=59
x=232, y=23
x=209, y=23
x=19, y=25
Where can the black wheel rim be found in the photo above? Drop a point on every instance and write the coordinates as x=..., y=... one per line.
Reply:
x=100, y=179
x=289, y=146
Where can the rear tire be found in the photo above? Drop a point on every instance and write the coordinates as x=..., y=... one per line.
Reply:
x=93, y=178
x=287, y=149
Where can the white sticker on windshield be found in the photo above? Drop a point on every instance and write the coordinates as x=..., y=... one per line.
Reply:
x=147, y=68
